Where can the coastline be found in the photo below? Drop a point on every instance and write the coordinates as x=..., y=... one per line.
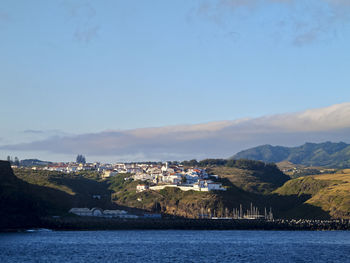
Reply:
x=86, y=224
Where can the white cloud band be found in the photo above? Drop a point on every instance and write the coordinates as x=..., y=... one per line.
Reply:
x=215, y=139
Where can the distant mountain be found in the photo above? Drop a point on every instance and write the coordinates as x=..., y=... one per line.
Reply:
x=326, y=154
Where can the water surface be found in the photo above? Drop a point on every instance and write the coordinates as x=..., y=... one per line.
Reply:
x=175, y=246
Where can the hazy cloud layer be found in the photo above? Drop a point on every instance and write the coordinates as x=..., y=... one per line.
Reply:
x=215, y=139
x=302, y=22
x=81, y=14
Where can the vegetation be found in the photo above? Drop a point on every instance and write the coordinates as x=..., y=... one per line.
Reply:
x=37, y=193
x=330, y=192
x=60, y=191
x=240, y=163
x=335, y=155
x=260, y=181
x=303, y=186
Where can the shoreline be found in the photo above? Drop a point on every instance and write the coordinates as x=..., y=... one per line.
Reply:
x=91, y=224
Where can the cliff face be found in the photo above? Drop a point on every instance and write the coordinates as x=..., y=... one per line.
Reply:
x=6, y=174
x=10, y=187
x=22, y=203
x=25, y=196
x=17, y=208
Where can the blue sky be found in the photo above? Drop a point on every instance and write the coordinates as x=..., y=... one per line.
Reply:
x=79, y=67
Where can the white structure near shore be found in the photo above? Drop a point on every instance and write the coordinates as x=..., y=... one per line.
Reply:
x=141, y=187
x=86, y=211
x=98, y=212
x=108, y=173
x=201, y=185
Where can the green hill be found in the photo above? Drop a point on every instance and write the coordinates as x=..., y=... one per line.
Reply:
x=173, y=201
x=328, y=154
x=330, y=192
x=246, y=182
x=28, y=195
x=21, y=203
x=259, y=180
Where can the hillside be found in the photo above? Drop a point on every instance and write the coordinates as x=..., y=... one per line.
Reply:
x=33, y=194
x=173, y=201
x=246, y=182
x=68, y=190
x=19, y=201
x=258, y=181
x=192, y=204
x=330, y=192
x=27, y=195
x=328, y=154
x=33, y=162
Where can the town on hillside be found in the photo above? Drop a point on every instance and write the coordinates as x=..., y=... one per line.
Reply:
x=154, y=176
x=149, y=176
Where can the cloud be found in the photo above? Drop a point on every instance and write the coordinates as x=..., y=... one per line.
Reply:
x=214, y=139
x=52, y=132
x=302, y=21
x=33, y=131
x=87, y=34
x=82, y=15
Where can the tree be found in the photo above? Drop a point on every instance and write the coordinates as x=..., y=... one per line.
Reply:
x=193, y=162
x=81, y=159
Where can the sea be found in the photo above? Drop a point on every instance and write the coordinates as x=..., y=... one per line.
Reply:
x=175, y=246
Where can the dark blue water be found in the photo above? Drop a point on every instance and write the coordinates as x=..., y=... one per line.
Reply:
x=175, y=246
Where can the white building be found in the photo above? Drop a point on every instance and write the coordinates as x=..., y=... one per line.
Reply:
x=202, y=186
x=97, y=212
x=142, y=177
x=208, y=185
x=108, y=173
x=153, y=170
x=141, y=188
x=87, y=212
x=114, y=213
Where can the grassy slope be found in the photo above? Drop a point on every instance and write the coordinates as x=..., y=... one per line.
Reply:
x=169, y=200
x=303, y=197
x=23, y=203
x=330, y=192
x=243, y=187
x=255, y=181
x=67, y=190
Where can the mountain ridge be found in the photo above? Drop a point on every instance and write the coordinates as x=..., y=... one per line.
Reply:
x=327, y=154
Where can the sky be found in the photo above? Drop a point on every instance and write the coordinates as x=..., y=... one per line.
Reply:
x=120, y=80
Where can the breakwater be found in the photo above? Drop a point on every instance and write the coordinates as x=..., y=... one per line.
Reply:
x=75, y=223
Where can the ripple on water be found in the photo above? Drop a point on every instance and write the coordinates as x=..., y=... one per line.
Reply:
x=175, y=246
